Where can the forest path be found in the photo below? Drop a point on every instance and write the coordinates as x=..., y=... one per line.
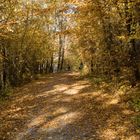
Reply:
x=65, y=107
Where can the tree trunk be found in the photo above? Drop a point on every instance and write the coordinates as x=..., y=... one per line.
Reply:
x=59, y=53
x=51, y=66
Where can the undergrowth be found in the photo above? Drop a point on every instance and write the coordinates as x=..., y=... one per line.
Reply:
x=134, y=103
x=129, y=95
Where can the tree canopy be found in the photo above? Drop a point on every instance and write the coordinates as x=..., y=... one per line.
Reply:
x=40, y=37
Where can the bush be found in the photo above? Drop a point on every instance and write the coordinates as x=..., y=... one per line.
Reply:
x=135, y=103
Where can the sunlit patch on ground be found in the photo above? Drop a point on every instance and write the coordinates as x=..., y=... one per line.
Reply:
x=108, y=134
x=75, y=89
x=37, y=121
x=40, y=82
x=127, y=112
x=60, y=121
x=113, y=101
x=25, y=97
x=61, y=110
x=71, y=91
x=61, y=87
x=68, y=99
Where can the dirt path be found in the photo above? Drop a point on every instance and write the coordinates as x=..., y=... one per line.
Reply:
x=64, y=107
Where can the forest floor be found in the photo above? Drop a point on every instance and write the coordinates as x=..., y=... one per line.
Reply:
x=65, y=107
